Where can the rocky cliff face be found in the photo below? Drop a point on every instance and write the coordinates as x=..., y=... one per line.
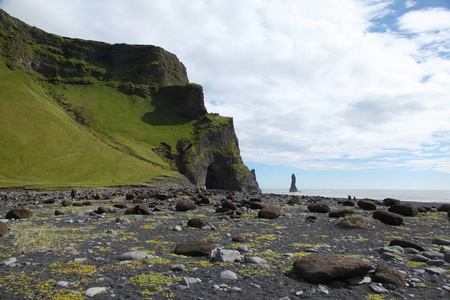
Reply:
x=208, y=157
x=214, y=160
x=131, y=68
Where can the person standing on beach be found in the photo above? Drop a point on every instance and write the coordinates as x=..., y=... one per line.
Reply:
x=73, y=194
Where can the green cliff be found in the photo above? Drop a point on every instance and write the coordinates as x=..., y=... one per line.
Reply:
x=86, y=113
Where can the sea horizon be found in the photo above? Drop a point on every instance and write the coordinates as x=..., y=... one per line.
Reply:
x=416, y=195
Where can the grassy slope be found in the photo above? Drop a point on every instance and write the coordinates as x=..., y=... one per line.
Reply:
x=129, y=122
x=41, y=146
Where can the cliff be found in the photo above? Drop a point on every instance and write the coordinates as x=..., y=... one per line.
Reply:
x=130, y=109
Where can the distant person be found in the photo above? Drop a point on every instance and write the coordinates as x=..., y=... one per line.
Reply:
x=349, y=198
x=354, y=198
x=73, y=193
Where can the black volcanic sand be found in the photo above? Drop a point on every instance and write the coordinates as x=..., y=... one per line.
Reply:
x=35, y=274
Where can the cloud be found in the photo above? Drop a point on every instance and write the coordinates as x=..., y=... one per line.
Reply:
x=424, y=20
x=307, y=83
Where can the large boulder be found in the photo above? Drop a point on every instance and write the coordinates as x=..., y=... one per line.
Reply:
x=388, y=217
x=406, y=244
x=229, y=205
x=384, y=274
x=319, y=208
x=196, y=222
x=194, y=248
x=19, y=213
x=341, y=213
x=140, y=209
x=322, y=268
x=391, y=202
x=444, y=207
x=225, y=255
x=269, y=212
x=404, y=210
x=3, y=229
x=185, y=205
x=367, y=204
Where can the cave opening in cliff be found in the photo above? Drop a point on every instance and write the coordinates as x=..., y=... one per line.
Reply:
x=213, y=179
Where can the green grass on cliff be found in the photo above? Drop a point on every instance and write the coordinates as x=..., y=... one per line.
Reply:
x=42, y=146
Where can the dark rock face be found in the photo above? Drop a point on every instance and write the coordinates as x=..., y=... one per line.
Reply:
x=388, y=217
x=384, y=274
x=319, y=208
x=293, y=188
x=269, y=212
x=194, y=248
x=404, y=210
x=367, y=204
x=3, y=229
x=136, y=66
x=322, y=268
x=196, y=223
x=19, y=213
x=214, y=161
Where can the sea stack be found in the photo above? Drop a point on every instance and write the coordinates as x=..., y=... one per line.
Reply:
x=293, y=188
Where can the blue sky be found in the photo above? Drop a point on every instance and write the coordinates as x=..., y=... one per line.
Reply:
x=343, y=93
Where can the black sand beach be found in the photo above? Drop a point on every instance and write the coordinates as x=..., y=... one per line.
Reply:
x=48, y=256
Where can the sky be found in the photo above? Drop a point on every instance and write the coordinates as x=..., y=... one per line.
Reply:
x=346, y=94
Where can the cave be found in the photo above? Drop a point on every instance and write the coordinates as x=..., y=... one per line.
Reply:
x=213, y=179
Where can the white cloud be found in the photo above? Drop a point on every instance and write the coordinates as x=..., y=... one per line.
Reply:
x=307, y=83
x=424, y=20
x=410, y=3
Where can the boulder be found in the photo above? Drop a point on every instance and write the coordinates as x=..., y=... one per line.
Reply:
x=185, y=205
x=196, y=222
x=225, y=255
x=238, y=239
x=102, y=210
x=269, y=212
x=388, y=217
x=406, y=244
x=19, y=213
x=121, y=205
x=367, y=204
x=322, y=268
x=130, y=196
x=444, y=207
x=48, y=201
x=340, y=213
x=391, y=202
x=194, y=248
x=138, y=210
x=133, y=255
x=3, y=229
x=229, y=205
x=348, y=203
x=295, y=200
x=66, y=203
x=355, y=221
x=256, y=204
x=86, y=203
x=319, y=208
x=59, y=213
x=384, y=274
x=404, y=210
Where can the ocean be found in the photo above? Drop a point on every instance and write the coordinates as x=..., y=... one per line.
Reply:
x=440, y=196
